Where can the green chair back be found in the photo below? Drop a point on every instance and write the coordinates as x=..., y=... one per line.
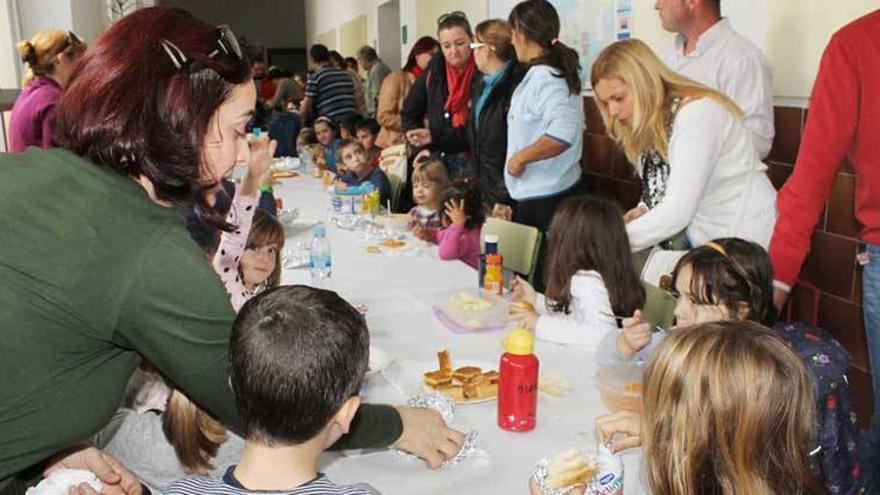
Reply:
x=518, y=244
x=659, y=307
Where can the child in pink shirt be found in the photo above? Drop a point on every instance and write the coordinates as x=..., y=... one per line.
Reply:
x=460, y=237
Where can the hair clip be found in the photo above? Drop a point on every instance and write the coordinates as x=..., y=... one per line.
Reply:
x=174, y=53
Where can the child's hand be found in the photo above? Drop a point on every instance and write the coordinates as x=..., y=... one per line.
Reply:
x=341, y=185
x=455, y=212
x=636, y=335
x=525, y=317
x=422, y=233
x=521, y=291
x=624, y=423
x=635, y=213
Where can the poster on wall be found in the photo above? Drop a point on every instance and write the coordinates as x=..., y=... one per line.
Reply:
x=588, y=26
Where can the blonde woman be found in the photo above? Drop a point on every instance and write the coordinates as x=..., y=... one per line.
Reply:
x=701, y=176
x=48, y=60
x=728, y=409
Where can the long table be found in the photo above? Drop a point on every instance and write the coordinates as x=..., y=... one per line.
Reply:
x=398, y=292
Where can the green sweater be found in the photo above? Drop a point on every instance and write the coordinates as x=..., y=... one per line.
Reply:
x=93, y=277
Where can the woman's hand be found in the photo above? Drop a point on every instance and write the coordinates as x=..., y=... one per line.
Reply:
x=779, y=299
x=116, y=478
x=522, y=291
x=419, y=137
x=636, y=335
x=426, y=435
x=636, y=212
x=515, y=166
x=626, y=426
x=455, y=212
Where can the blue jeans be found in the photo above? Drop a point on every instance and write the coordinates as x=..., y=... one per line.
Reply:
x=871, y=307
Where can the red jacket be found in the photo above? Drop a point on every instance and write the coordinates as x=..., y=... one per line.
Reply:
x=843, y=122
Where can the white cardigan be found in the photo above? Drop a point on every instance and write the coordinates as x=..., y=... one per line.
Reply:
x=718, y=187
x=586, y=324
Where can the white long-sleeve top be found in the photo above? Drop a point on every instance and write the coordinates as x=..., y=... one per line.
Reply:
x=725, y=60
x=717, y=186
x=589, y=319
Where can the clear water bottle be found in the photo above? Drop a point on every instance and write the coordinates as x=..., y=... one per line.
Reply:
x=319, y=256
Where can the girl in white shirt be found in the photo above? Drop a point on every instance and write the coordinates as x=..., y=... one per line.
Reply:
x=700, y=172
x=590, y=276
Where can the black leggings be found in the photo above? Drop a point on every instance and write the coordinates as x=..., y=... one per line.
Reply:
x=539, y=213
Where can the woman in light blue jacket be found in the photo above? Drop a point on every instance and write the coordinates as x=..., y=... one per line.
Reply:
x=546, y=118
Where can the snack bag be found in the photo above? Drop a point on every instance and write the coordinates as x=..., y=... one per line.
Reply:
x=609, y=479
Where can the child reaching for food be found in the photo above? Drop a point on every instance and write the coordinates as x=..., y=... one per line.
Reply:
x=590, y=276
x=360, y=170
x=428, y=180
x=462, y=221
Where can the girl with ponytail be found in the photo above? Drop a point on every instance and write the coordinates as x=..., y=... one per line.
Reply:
x=546, y=119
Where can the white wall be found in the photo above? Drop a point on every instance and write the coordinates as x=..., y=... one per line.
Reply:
x=793, y=33
x=9, y=68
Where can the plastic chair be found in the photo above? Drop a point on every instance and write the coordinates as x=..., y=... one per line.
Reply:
x=518, y=244
x=396, y=184
x=659, y=307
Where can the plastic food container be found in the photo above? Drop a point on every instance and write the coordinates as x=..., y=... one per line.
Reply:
x=473, y=308
x=620, y=386
x=396, y=224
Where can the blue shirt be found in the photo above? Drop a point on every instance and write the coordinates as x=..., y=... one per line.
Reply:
x=542, y=105
x=489, y=83
x=377, y=177
x=330, y=157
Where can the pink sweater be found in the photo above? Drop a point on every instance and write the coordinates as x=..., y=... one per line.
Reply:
x=456, y=243
x=232, y=244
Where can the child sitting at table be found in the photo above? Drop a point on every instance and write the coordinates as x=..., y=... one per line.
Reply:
x=462, y=222
x=367, y=132
x=248, y=258
x=360, y=170
x=728, y=408
x=327, y=134
x=428, y=180
x=590, y=276
x=297, y=359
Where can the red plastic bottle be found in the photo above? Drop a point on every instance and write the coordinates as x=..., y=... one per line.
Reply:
x=518, y=382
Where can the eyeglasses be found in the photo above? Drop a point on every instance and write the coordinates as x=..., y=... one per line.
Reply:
x=476, y=44
x=455, y=14
x=227, y=44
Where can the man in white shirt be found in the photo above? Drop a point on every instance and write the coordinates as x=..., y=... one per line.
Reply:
x=708, y=50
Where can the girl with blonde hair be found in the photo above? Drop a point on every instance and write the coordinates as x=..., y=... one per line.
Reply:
x=701, y=177
x=48, y=59
x=728, y=408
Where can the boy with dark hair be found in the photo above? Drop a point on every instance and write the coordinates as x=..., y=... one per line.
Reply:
x=297, y=359
x=367, y=132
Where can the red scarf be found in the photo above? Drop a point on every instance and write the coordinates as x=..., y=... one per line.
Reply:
x=458, y=81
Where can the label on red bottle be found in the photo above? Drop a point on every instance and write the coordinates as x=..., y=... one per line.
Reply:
x=518, y=392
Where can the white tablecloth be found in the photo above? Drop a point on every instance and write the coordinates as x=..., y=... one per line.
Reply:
x=398, y=291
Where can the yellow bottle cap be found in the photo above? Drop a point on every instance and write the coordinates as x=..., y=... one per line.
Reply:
x=519, y=342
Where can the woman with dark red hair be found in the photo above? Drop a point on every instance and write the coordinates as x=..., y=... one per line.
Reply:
x=99, y=272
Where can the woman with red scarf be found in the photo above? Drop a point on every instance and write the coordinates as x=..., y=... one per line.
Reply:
x=441, y=96
x=395, y=89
